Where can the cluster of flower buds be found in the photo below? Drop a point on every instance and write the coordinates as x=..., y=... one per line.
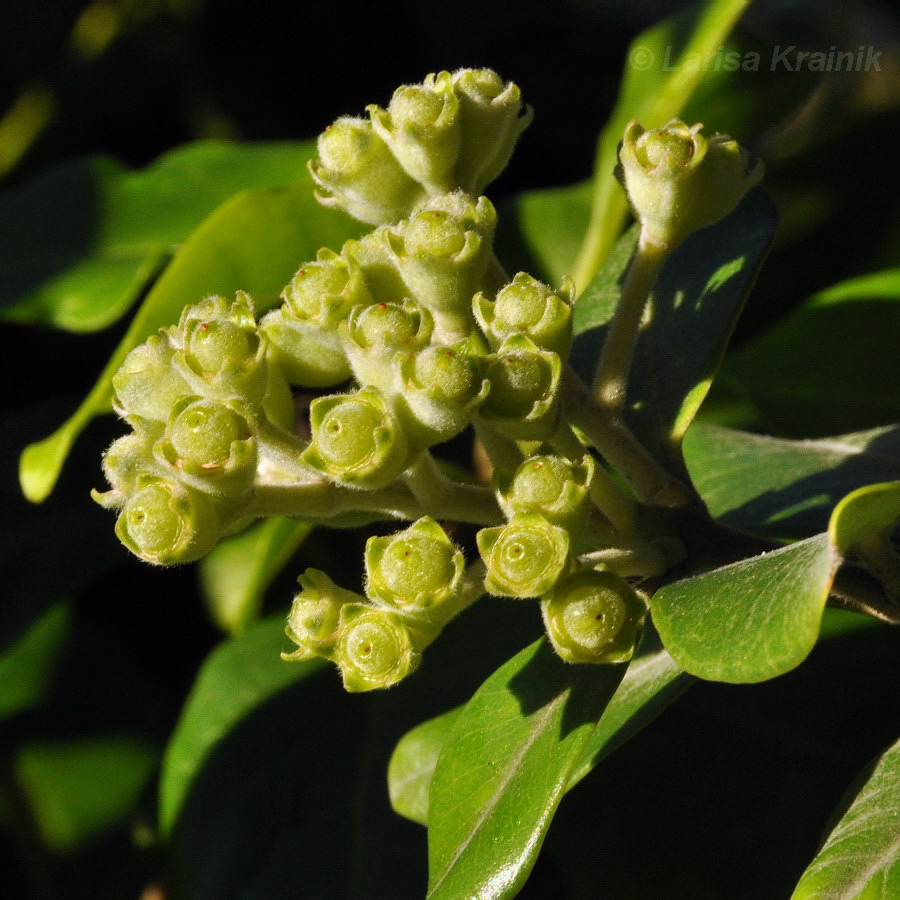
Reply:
x=421, y=335
x=414, y=586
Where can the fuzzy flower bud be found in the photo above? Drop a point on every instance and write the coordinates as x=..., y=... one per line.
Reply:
x=555, y=487
x=679, y=181
x=415, y=570
x=442, y=254
x=356, y=439
x=167, y=523
x=147, y=384
x=525, y=557
x=442, y=387
x=422, y=127
x=212, y=445
x=526, y=306
x=375, y=648
x=593, y=617
x=374, y=335
x=357, y=172
x=314, y=618
x=523, y=400
x=492, y=120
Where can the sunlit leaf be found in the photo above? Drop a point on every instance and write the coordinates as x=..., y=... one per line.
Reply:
x=504, y=769
x=781, y=487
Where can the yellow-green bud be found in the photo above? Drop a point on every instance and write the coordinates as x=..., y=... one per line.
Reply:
x=374, y=335
x=525, y=557
x=324, y=291
x=593, y=617
x=526, y=306
x=415, y=570
x=357, y=172
x=167, y=523
x=442, y=387
x=146, y=383
x=492, y=120
x=307, y=355
x=555, y=487
x=356, y=439
x=523, y=399
x=421, y=126
x=314, y=618
x=679, y=181
x=375, y=648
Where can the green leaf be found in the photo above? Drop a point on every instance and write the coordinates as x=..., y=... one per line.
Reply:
x=873, y=509
x=652, y=682
x=236, y=574
x=254, y=242
x=504, y=770
x=752, y=620
x=697, y=300
x=27, y=667
x=860, y=860
x=412, y=765
x=80, y=242
x=238, y=676
x=849, y=331
x=653, y=93
x=784, y=488
x=78, y=789
x=544, y=229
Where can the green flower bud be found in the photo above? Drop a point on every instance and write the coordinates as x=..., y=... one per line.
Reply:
x=375, y=648
x=356, y=439
x=442, y=254
x=421, y=126
x=523, y=400
x=357, y=172
x=414, y=570
x=125, y=464
x=678, y=181
x=212, y=445
x=306, y=354
x=492, y=120
x=326, y=290
x=374, y=335
x=314, y=618
x=147, y=384
x=526, y=306
x=442, y=387
x=167, y=523
x=223, y=357
x=593, y=617
x=525, y=557
x=555, y=487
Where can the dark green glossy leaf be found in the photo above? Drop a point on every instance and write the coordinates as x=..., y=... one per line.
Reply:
x=653, y=92
x=237, y=677
x=504, y=769
x=652, y=682
x=851, y=332
x=752, y=620
x=860, y=860
x=780, y=487
x=78, y=789
x=81, y=241
x=699, y=295
x=254, y=242
x=235, y=575
x=413, y=762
